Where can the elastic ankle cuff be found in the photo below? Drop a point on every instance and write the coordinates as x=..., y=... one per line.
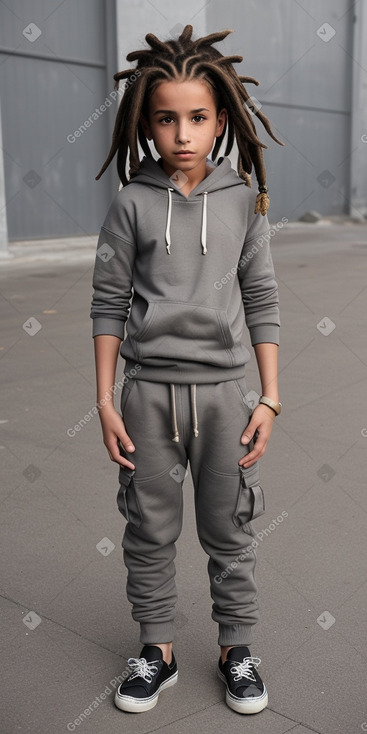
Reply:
x=152, y=634
x=235, y=634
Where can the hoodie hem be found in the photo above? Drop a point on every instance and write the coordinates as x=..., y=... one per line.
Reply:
x=193, y=373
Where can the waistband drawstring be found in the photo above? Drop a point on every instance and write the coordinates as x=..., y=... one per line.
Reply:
x=176, y=435
x=194, y=414
x=203, y=222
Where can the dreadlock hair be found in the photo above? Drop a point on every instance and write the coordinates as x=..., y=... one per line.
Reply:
x=183, y=60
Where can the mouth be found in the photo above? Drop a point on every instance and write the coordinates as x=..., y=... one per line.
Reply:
x=184, y=152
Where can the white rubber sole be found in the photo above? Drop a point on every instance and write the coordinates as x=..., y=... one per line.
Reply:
x=138, y=705
x=241, y=706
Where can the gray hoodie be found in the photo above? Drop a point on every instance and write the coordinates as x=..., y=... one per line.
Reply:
x=188, y=272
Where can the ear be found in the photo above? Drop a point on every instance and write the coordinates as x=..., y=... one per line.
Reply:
x=221, y=121
x=146, y=127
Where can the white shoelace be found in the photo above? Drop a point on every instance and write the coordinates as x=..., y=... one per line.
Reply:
x=142, y=669
x=244, y=669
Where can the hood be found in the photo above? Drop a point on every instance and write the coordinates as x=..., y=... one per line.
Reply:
x=222, y=176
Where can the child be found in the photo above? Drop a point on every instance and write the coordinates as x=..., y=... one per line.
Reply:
x=184, y=239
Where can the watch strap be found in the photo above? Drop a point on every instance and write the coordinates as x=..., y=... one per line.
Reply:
x=276, y=407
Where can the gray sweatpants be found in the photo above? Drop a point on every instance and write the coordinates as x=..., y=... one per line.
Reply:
x=171, y=425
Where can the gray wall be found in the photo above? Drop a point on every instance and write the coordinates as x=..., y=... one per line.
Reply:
x=313, y=91
x=305, y=86
x=49, y=86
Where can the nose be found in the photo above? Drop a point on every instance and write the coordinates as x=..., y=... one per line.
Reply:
x=183, y=135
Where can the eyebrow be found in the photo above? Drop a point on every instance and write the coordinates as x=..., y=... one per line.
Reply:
x=172, y=112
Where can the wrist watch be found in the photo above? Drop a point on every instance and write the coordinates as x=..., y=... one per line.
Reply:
x=276, y=407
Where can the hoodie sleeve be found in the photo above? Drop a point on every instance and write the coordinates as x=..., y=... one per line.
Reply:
x=113, y=269
x=258, y=285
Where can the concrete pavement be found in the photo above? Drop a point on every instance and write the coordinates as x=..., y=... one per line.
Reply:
x=66, y=629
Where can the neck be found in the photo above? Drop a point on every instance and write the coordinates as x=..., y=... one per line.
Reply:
x=194, y=176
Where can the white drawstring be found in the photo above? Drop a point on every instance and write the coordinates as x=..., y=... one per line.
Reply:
x=203, y=223
x=176, y=435
x=195, y=427
x=193, y=410
x=168, y=223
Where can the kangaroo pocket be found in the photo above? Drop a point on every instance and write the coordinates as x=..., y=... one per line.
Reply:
x=181, y=331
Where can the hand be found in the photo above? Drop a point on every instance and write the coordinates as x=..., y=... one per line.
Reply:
x=113, y=429
x=259, y=428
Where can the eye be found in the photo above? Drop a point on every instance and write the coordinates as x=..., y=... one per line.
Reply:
x=164, y=120
x=199, y=118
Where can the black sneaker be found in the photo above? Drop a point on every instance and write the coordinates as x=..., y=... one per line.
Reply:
x=150, y=675
x=246, y=693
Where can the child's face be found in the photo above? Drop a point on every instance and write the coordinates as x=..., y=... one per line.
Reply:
x=183, y=116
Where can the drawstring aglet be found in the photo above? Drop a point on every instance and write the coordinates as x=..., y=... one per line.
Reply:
x=176, y=437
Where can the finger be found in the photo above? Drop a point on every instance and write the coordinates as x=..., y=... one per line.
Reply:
x=125, y=463
x=254, y=455
x=126, y=442
x=248, y=433
x=115, y=455
x=118, y=459
x=247, y=437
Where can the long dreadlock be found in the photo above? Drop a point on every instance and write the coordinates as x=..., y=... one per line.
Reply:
x=184, y=60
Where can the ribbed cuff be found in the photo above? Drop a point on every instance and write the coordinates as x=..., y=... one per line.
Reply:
x=235, y=634
x=264, y=333
x=103, y=325
x=153, y=634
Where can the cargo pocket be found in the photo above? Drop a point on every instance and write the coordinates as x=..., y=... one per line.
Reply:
x=250, y=502
x=127, y=500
